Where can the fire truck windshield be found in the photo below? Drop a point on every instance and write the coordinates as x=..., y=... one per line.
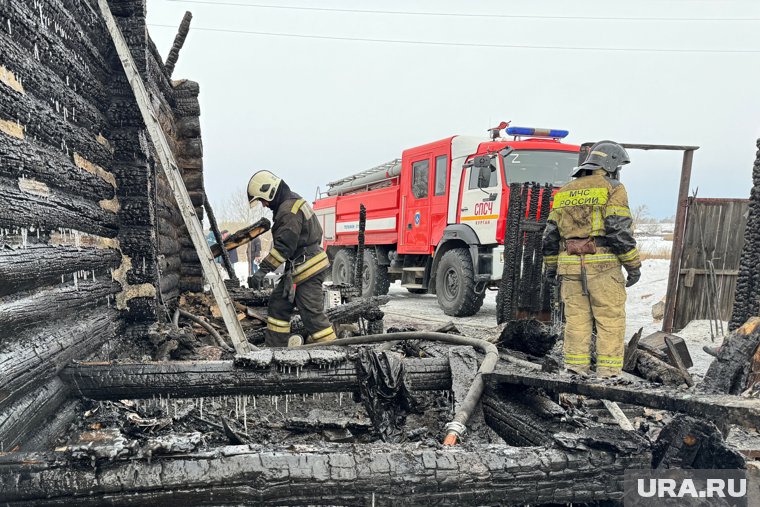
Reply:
x=541, y=166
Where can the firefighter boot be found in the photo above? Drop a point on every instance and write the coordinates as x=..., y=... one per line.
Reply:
x=607, y=295
x=578, y=326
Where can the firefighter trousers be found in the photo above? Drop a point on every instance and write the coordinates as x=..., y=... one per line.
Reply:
x=310, y=303
x=604, y=307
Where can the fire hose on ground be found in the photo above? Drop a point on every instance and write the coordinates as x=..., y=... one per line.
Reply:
x=457, y=426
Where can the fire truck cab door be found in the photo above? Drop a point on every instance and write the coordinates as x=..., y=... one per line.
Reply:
x=415, y=212
x=479, y=206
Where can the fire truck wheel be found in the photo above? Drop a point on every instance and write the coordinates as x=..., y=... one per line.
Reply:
x=455, y=284
x=343, y=266
x=376, y=281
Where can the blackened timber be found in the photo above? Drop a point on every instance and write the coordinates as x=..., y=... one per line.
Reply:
x=46, y=436
x=26, y=309
x=29, y=159
x=250, y=297
x=735, y=410
x=179, y=41
x=35, y=357
x=23, y=417
x=39, y=265
x=523, y=417
x=51, y=209
x=580, y=468
x=730, y=371
x=193, y=379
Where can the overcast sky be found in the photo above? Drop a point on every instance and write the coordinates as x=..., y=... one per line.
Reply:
x=313, y=110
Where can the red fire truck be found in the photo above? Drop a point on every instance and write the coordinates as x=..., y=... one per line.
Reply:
x=436, y=216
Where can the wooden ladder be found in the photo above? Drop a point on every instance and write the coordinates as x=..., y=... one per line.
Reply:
x=169, y=166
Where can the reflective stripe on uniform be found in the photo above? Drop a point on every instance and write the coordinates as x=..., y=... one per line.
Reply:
x=621, y=211
x=297, y=205
x=567, y=259
x=550, y=260
x=277, y=255
x=630, y=255
x=278, y=326
x=310, y=267
x=327, y=334
x=581, y=197
x=274, y=259
x=597, y=224
x=580, y=359
x=609, y=361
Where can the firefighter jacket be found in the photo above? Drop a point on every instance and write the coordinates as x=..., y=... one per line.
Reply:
x=297, y=239
x=590, y=206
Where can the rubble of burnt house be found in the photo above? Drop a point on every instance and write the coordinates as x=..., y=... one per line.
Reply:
x=118, y=386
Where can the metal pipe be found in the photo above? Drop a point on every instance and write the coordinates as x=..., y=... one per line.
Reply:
x=458, y=425
x=205, y=325
x=678, y=235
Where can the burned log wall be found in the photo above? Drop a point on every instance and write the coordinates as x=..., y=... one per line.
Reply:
x=80, y=261
x=747, y=295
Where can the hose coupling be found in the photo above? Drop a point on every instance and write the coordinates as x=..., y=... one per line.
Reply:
x=454, y=431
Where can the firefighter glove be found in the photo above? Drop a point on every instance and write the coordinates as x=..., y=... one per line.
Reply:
x=551, y=276
x=256, y=281
x=633, y=276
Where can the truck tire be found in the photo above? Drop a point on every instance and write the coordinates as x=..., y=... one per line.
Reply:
x=376, y=281
x=455, y=284
x=343, y=266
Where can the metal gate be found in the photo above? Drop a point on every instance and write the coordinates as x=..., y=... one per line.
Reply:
x=714, y=232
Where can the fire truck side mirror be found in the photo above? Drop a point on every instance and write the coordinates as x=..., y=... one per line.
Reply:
x=484, y=176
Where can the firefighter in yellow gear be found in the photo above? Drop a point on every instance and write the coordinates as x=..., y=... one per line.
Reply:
x=297, y=243
x=588, y=237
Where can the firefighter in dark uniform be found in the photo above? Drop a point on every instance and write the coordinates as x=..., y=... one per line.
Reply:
x=297, y=244
x=588, y=237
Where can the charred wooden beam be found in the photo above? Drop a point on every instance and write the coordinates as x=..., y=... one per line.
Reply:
x=730, y=371
x=241, y=237
x=46, y=436
x=583, y=467
x=298, y=374
x=524, y=417
x=732, y=409
x=250, y=297
x=49, y=209
x=25, y=309
x=40, y=265
x=179, y=41
x=21, y=419
x=35, y=357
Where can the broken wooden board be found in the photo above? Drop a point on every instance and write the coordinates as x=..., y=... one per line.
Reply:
x=732, y=409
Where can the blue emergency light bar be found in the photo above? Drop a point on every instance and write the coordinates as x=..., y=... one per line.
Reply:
x=526, y=131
